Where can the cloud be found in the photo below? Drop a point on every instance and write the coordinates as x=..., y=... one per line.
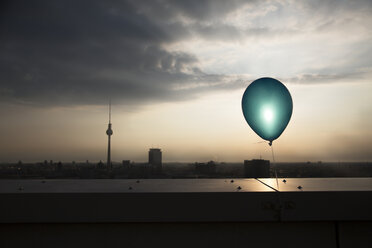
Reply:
x=63, y=53
x=360, y=76
x=77, y=52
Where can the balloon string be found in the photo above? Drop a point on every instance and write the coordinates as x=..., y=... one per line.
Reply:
x=280, y=207
x=274, y=165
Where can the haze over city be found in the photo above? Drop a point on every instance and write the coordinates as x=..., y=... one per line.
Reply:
x=175, y=72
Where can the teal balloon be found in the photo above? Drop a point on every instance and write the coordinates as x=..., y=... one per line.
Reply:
x=267, y=107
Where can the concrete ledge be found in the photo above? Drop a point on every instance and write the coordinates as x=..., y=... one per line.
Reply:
x=135, y=207
x=249, y=234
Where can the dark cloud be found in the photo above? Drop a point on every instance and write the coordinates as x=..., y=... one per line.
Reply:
x=83, y=52
x=206, y=10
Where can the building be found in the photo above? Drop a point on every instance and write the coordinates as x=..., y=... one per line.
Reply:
x=155, y=156
x=256, y=168
x=126, y=163
x=205, y=169
x=100, y=165
x=155, y=159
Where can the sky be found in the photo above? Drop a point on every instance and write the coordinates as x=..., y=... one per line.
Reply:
x=175, y=72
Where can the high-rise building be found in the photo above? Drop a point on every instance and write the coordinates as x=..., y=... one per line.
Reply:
x=155, y=159
x=109, y=132
x=256, y=168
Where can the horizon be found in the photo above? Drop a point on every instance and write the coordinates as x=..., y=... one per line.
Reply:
x=180, y=162
x=176, y=72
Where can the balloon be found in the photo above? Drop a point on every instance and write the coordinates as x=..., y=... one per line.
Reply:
x=267, y=107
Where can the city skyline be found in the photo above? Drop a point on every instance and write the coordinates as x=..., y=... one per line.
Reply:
x=176, y=72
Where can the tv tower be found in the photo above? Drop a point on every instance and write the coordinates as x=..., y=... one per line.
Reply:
x=109, y=133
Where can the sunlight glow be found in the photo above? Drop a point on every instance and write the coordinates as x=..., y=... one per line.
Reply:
x=268, y=114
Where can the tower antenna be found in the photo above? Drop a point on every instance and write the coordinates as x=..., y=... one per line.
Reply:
x=110, y=110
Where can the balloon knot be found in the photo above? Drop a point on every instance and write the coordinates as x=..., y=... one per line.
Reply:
x=270, y=143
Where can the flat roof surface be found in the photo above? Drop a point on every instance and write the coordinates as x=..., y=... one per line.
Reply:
x=319, y=184
x=185, y=185
x=132, y=186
